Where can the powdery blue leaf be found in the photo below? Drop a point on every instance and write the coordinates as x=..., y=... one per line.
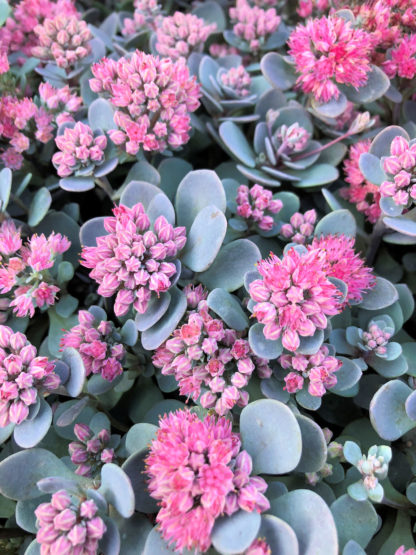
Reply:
x=211, y=12
x=77, y=376
x=101, y=115
x=77, y=184
x=353, y=548
x=156, y=309
x=134, y=467
x=5, y=186
x=382, y=295
x=277, y=71
x=39, y=206
x=117, y=489
x=331, y=109
x=279, y=536
x=25, y=513
x=357, y=491
x=370, y=167
x=387, y=410
x=406, y=300
x=339, y=221
x=314, y=450
x=92, y=229
x=236, y=142
x=401, y=224
x=235, y=533
x=228, y=308
x=262, y=347
x=319, y=174
x=139, y=437
x=356, y=520
x=410, y=406
x=156, y=545
x=376, y=86
x=311, y=345
x=381, y=143
x=308, y=401
x=347, y=376
x=110, y=543
x=107, y=167
x=352, y=452
x=30, y=432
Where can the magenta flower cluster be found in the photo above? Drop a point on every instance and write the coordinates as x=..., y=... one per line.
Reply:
x=253, y=25
x=317, y=371
x=23, y=375
x=198, y=472
x=401, y=167
x=133, y=260
x=300, y=227
x=181, y=34
x=24, y=269
x=62, y=103
x=153, y=97
x=204, y=352
x=80, y=149
x=256, y=204
x=91, y=451
x=67, y=525
x=100, y=351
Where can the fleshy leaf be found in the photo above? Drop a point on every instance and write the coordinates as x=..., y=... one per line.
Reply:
x=264, y=348
x=235, y=533
x=117, y=489
x=228, y=309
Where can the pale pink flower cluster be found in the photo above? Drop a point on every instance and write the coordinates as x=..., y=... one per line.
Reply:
x=360, y=192
x=238, y=80
x=294, y=296
x=252, y=24
x=91, y=451
x=4, y=63
x=63, y=39
x=24, y=270
x=198, y=472
x=316, y=370
x=255, y=205
x=259, y=547
x=306, y=7
x=403, y=13
x=342, y=262
x=376, y=339
x=68, y=526
x=154, y=98
x=403, y=551
x=18, y=119
x=181, y=34
x=327, y=52
x=401, y=166
x=301, y=227
x=101, y=353
x=22, y=376
x=62, y=103
x=147, y=14
x=377, y=18
x=17, y=34
x=194, y=295
x=133, y=260
x=80, y=148
x=217, y=50
x=290, y=139
x=204, y=352
x=402, y=61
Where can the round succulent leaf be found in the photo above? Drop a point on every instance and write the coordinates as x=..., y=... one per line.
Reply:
x=139, y=437
x=401, y=224
x=249, y=277
x=308, y=401
x=406, y=300
x=382, y=295
x=277, y=71
x=314, y=450
x=117, y=489
x=389, y=368
x=291, y=204
x=155, y=413
x=352, y=452
x=338, y=338
x=279, y=535
x=97, y=385
x=311, y=345
x=232, y=263
x=144, y=395
x=110, y=543
x=269, y=349
x=160, y=205
x=107, y=167
x=77, y=376
x=331, y=109
x=139, y=191
x=135, y=467
x=381, y=142
x=68, y=412
x=171, y=171
x=211, y=12
x=101, y=115
x=236, y=142
x=388, y=410
x=197, y=190
x=5, y=187
x=411, y=492
x=376, y=86
x=234, y=534
x=25, y=513
x=409, y=353
x=288, y=115
x=355, y=520
x=155, y=311
x=154, y=336
x=371, y=169
x=310, y=518
x=129, y=333
x=33, y=548
x=6, y=432
x=347, y=376
x=393, y=351
x=55, y=483
x=156, y=545
x=357, y=491
x=92, y=229
x=204, y=239
x=39, y=206
x=271, y=434
x=389, y=207
x=30, y=432
x=270, y=99
x=273, y=389
x=319, y=174
x=259, y=176
x=338, y=221
x=133, y=533
x=77, y=184
x=228, y=308
x=410, y=406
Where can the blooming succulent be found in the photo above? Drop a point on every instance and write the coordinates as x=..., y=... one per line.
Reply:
x=91, y=451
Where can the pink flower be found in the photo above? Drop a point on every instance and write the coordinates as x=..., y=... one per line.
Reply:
x=153, y=97
x=259, y=547
x=63, y=39
x=133, y=260
x=317, y=370
x=360, y=192
x=237, y=80
x=306, y=7
x=22, y=376
x=403, y=551
x=340, y=261
x=96, y=343
x=181, y=34
x=4, y=63
x=375, y=339
x=197, y=472
x=147, y=14
x=301, y=227
x=402, y=61
x=68, y=525
x=203, y=352
x=294, y=296
x=253, y=25
x=90, y=452
x=327, y=52
x=256, y=206
x=401, y=166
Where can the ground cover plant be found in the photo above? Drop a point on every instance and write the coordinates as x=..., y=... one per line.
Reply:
x=207, y=269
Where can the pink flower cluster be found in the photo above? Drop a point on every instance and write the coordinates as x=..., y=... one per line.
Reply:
x=63, y=39
x=91, y=451
x=203, y=352
x=101, y=353
x=181, y=34
x=342, y=262
x=17, y=33
x=238, y=80
x=132, y=260
x=301, y=227
x=255, y=205
x=24, y=269
x=4, y=63
x=253, y=25
x=62, y=103
x=293, y=297
x=307, y=7
x=401, y=166
x=259, y=547
x=402, y=61
x=217, y=50
x=327, y=52
x=153, y=96
x=67, y=526
x=22, y=375
x=376, y=339
x=80, y=148
x=403, y=551
x=290, y=139
x=318, y=370
x=147, y=14
x=198, y=472
x=360, y=192
x=18, y=119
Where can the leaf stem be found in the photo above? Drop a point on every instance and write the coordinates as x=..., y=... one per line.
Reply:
x=375, y=239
